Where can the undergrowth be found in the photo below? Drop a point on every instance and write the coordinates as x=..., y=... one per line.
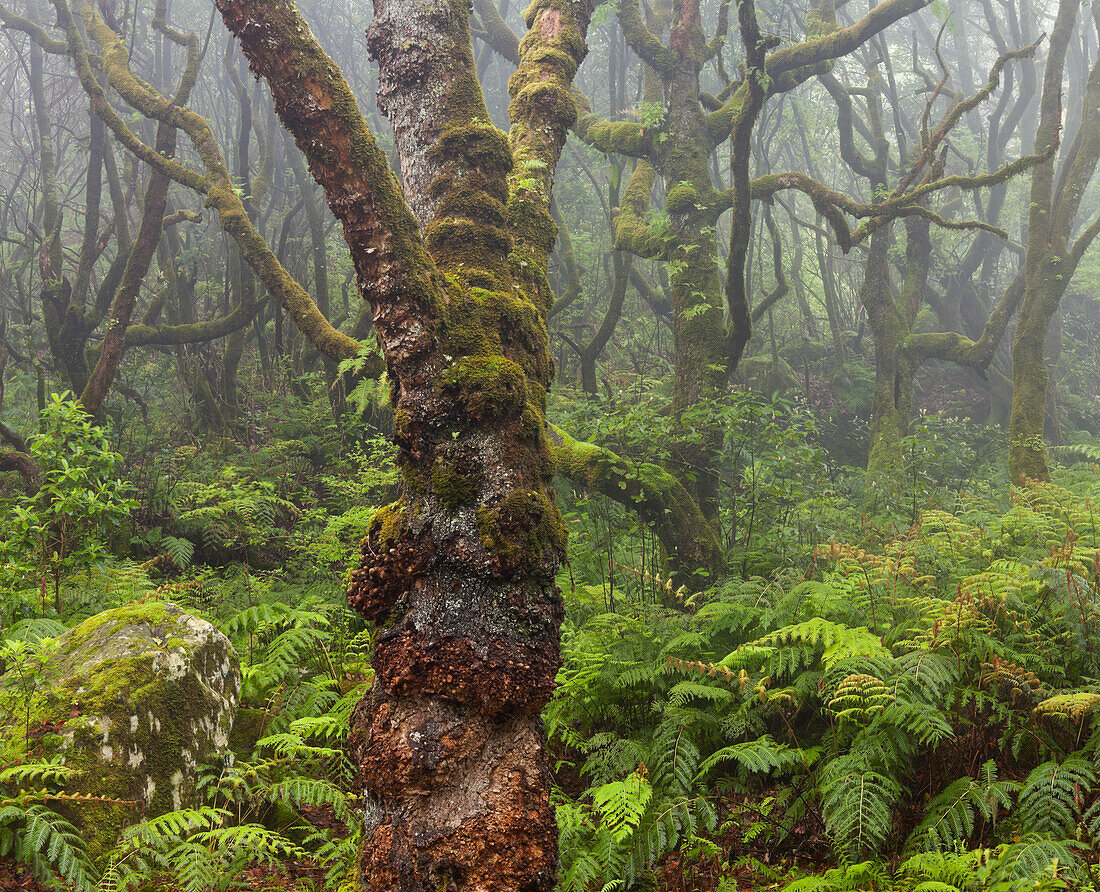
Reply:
x=920, y=714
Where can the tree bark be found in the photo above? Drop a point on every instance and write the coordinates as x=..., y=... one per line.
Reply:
x=459, y=573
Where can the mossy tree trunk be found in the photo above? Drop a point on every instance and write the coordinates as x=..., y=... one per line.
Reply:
x=1053, y=252
x=460, y=572
x=889, y=421
x=899, y=352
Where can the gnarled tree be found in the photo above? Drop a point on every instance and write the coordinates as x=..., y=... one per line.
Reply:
x=459, y=572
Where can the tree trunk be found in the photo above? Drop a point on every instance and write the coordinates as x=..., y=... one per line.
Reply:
x=885, y=462
x=459, y=573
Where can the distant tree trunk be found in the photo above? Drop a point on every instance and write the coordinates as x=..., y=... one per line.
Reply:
x=889, y=410
x=1052, y=255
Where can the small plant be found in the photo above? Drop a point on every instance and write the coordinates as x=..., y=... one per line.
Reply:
x=80, y=506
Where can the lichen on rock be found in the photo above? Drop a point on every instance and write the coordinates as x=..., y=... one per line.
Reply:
x=135, y=698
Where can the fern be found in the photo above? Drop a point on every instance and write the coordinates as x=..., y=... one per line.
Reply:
x=180, y=550
x=858, y=804
x=1073, y=704
x=303, y=791
x=34, y=630
x=950, y=817
x=36, y=773
x=1088, y=452
x=1052, y=795
x=43, y=839
x=164, y=829
x=760, y=757
x=622, y=803
x=837, y=642
x=862, y=876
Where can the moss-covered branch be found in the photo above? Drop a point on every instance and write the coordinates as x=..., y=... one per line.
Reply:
x=542, y=111
x=721, y=32
x=933, y=141
x=22, y=465
x=640, y=39
x=149, y=235
x=627, y=138
x=950, y=346
x=316, y=105
x=35, y=31
x=847, y=122
x=632, y=232
x=216, y=184
x=690, y=541
x=145, y=334
x=791, y=66
x=841, y=41
x=830, y=204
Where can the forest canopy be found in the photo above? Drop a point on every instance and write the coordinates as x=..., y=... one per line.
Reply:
x=633, y=445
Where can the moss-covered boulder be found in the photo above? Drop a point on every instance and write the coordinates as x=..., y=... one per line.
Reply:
x=760, y=375
x=134, y=698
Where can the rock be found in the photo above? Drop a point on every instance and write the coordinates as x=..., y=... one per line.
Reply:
x=135, y=698
x=758, y=374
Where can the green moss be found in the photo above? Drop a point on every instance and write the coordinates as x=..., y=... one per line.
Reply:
x=401, y=421
x=681, y=198
x=487, y=386
x=546, y=101
x=458, y=241
x=469, y=199
x=622, y=137
x=524, y=524
x=475, y=317
x=247, y=729
x=388, y=523
x=152, y=613
x=533, y=422
x=476, y=143
x=530, y=221
x=455, y=486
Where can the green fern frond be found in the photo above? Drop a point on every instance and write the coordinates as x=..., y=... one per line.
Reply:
x=1073, y=704
x=622, y=803
x=837, y=642
x=858, y=804
x=1053, y=795
x=760, y=757
x=39, y=834
x=950, y=818
x=34, y=630
x=53, y=773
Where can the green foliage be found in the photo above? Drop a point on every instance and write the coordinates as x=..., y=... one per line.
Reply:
x=846, y=702
x=81, y=503
x=233, y=514
x=38, y=836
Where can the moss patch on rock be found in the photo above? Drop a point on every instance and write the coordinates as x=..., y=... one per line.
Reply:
x=136, y=699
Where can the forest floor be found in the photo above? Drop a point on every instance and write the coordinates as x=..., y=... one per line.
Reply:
x=16, y=877
x=289, y=877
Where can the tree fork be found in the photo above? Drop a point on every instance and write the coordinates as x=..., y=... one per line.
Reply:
x=459, y=573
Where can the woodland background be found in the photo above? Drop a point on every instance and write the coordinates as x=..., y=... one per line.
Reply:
x=825, y=424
